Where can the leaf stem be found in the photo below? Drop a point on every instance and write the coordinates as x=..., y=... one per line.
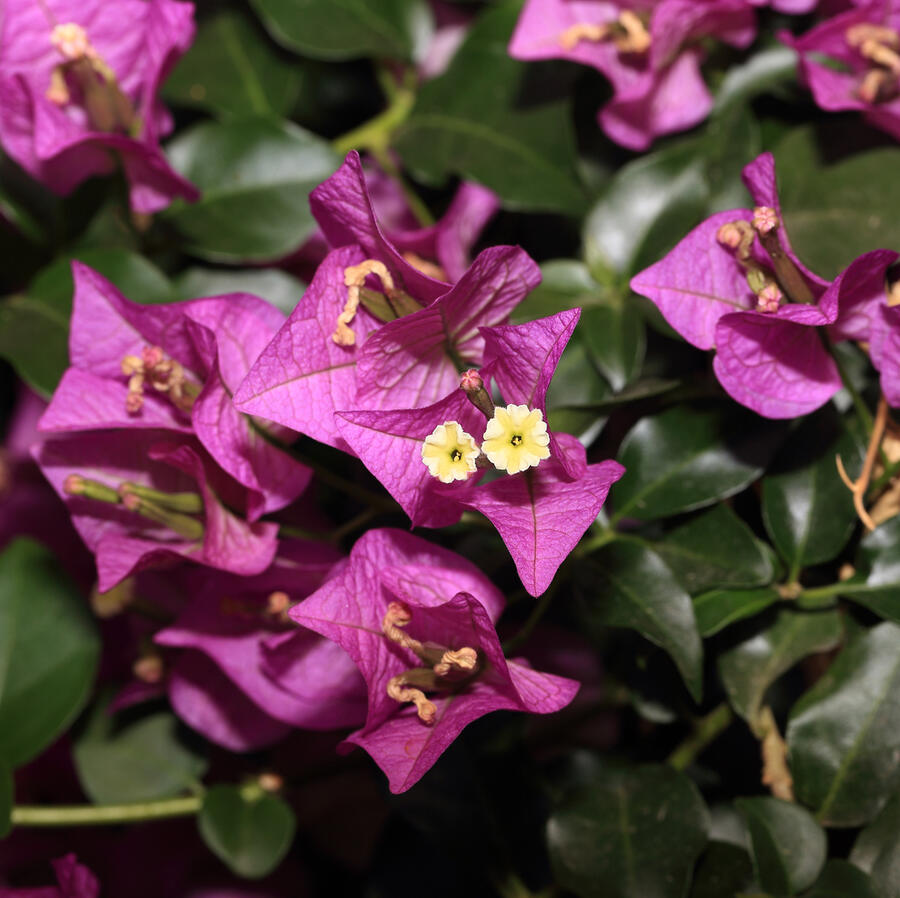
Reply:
x=595, y=542
x=706, y=730
x=104, y=814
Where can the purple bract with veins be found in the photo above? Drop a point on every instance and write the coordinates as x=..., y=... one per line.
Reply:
x=865, y=43
x=648, y=50
x=79, y=82
x=540, y=513
x=720, y=288
x=418, y=621
x=174, y=367
x=140, y=499
x=372, y=331
x=247, y=674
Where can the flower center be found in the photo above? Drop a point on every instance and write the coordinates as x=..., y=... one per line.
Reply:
x=152, y=369
x=516, y=438
x=450, y=453
x=445, y=670
x=879, y=46
x=108, y=108
x=628, y=32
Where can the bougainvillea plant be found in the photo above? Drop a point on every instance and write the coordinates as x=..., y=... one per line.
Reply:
x=450, y=448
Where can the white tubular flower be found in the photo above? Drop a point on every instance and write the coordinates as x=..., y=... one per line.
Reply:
x=516, y=438
x=449, y=452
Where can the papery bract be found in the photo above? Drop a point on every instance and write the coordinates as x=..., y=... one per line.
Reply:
x=62, y=141
x=774, y=362
x=854, y=80
x=275, y=670
x=123, y=541
x=541, y=513
x=645, y=49
x=215, y=339
x=450, y=604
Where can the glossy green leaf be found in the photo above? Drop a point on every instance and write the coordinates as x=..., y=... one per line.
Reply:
x=876, y=583
x=844, y=733
x=788, y=845
x=877, y=849
x=7, y=798
x=749, y=668
x=626, y=584
x=686, y=458
x=139, y=760
x=472, y=121
x=723, y=870
x=836, y=212
x=807, y=510
x=614, y=336
x=565, y=284
x=713, y=549
x=667, y=181
x=232, y=70
x=576, y=381
x=34, y=326
x=631, y=833
x=718, y=608
x=343, y=29
x=256, y=176
x=48, y=651
x=273, y=285
x=247, y=829
x=759, y=73
x=841, y=879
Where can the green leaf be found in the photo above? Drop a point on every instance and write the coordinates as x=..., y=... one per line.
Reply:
x=472, y=121
x=615, y=339
x=836, y=212
x=788, y=845
x=723, y=870
x=231, y=70
x=628, y=834
x=807, y=510
x=841, y=879
x=256, y=176
x=139, y=760
x=844, y=734
x=686, y=458
x=626, y=584
x=565, y=284
x=247, y=829
x=749, y=668
x=718, y=608
x=7, y=799
x=876, y=583
x=34, y=326
x=48, y=651
x=273, y=285
x=715, y=549
x=343, y=29
x=877, y=849
x=666, y=182
x=576, y=382
x=760, y=73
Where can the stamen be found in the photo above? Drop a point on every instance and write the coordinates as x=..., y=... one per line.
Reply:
x=72, y=41
x=153, y=369
x=278, y=604
x=432, y=269
x=583, y=31
x=187, y=527
x=737, y=236
x=473, y=386
x=400, y=692
x=858, y=34
x=464, y=659
x=769, y=298
x=114, y=601
x=636, y=38
x=149, y=669
x=354, y=279
x=190, y=503
x=76, y=485
x=397, y=616
x=878, y=86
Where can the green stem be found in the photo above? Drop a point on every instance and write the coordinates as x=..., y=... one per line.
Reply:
x=862, y=411
x=103, y=814
x=819, y=596
x=595, y=542
x=375, y=134
x=706, y=730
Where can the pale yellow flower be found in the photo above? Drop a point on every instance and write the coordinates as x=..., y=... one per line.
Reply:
x=516, y=438
x=449, y=452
